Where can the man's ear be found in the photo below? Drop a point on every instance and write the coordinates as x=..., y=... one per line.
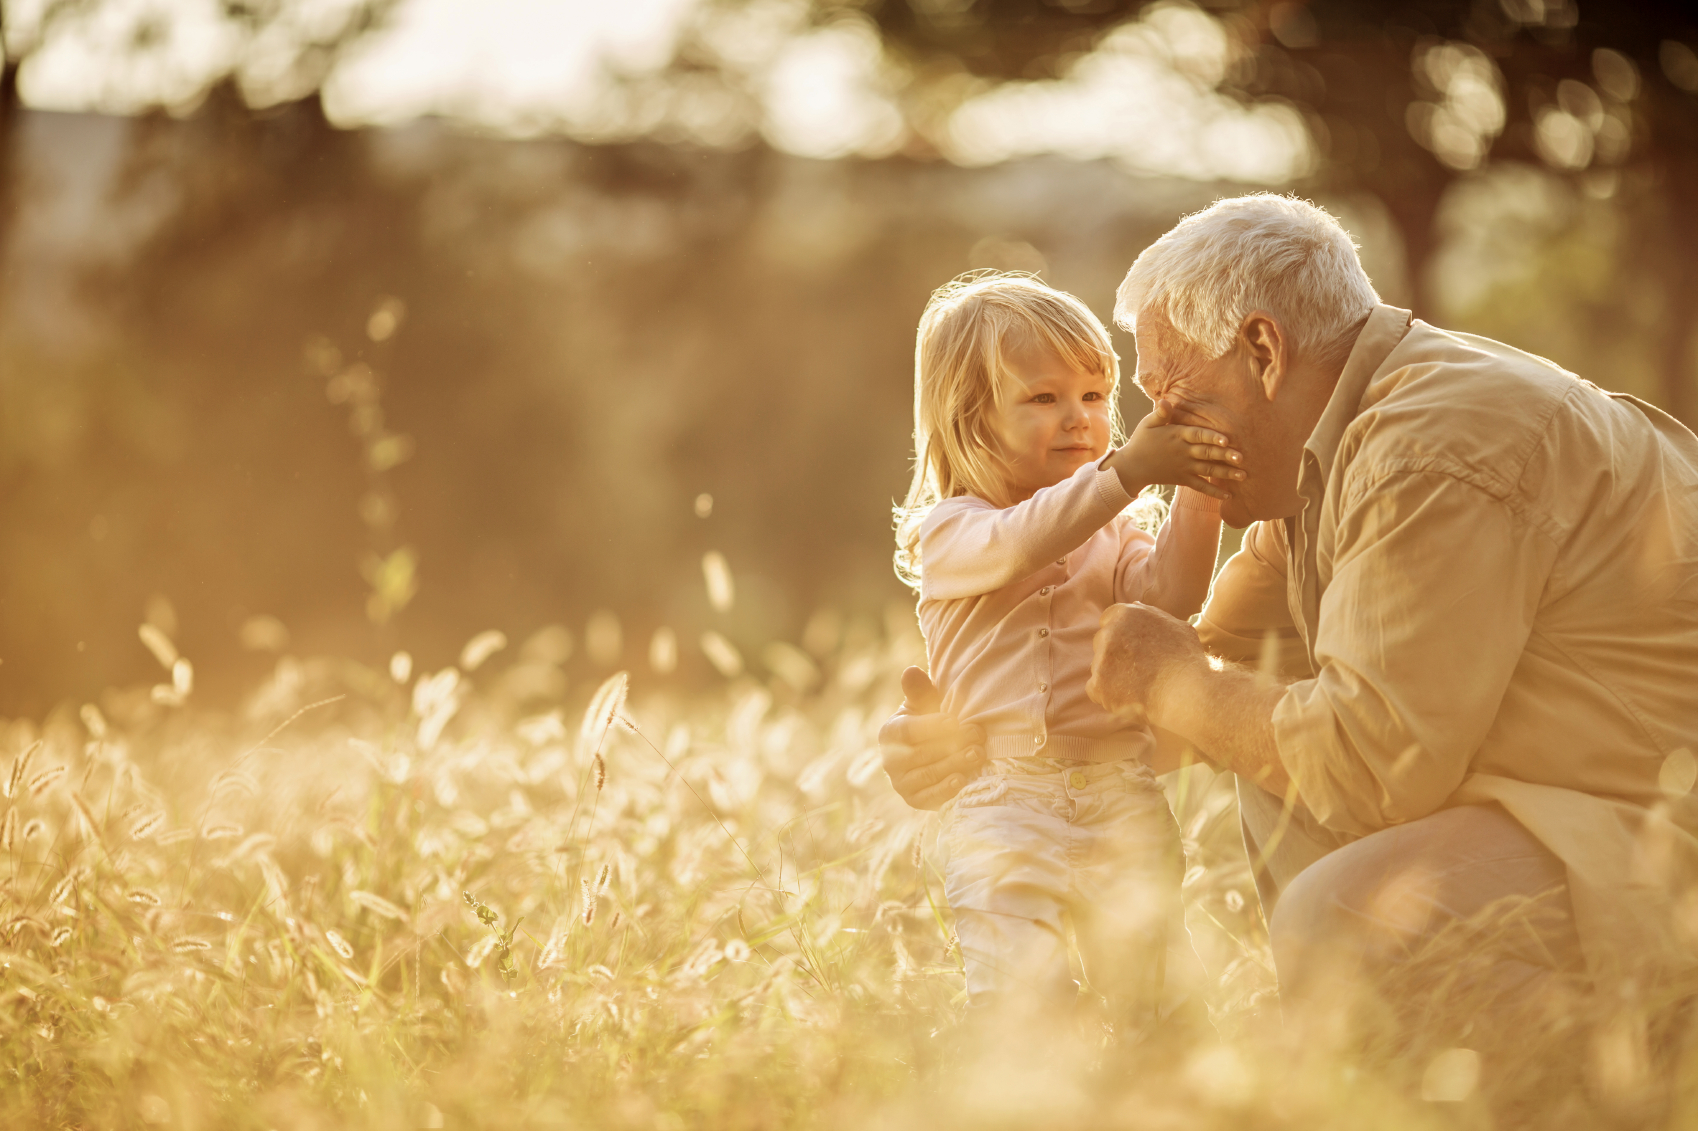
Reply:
x=1269, y=353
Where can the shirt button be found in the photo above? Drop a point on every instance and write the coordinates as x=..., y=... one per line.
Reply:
x=1037, y=740
x=1061, y=561
x=1044, y=592
x=1043, y=687
x=1042, y=632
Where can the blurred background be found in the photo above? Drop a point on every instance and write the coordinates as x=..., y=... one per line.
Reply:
x=348, y=326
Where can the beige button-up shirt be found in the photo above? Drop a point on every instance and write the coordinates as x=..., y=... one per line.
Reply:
x=1492, y=588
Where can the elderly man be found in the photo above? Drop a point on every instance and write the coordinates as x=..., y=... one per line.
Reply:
x=1477, y=576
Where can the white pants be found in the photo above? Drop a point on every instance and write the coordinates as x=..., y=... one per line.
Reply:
x=1033, y=846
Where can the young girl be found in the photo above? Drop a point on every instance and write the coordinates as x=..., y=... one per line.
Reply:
x=1017, y=535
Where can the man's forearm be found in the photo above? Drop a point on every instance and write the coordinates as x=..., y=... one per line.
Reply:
x=1227, y=715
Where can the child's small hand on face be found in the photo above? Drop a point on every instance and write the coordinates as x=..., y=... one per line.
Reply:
x=1159, y=451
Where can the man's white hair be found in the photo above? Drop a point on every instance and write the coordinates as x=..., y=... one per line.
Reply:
x=1264, y=252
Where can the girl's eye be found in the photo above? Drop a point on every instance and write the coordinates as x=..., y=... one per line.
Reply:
x=1044, y=398
x=1093, y=396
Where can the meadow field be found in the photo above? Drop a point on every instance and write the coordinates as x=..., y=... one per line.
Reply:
x=401, y=898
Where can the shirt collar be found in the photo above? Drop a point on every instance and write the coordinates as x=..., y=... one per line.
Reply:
x=1381, y=334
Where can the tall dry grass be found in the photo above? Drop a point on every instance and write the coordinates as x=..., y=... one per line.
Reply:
x=400, y=899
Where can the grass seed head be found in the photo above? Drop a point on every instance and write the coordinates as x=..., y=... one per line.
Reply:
x=63, y=889
x=481, y=647
x=604, y=706
x=377, y=905
x=43, y=781
x=600, y=771
x=159, y=644
x=339, y=944
x=20, y=767
x=9, y=830
x=589, y=902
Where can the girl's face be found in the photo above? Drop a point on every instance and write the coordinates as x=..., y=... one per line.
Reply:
x=1054, y=422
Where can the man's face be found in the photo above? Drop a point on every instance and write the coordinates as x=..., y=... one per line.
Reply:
x=1228, y=395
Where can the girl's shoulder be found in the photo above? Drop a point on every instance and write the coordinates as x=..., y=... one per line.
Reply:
x=943, y=508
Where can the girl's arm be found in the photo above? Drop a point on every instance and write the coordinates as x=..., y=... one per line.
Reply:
x=1173, y=572
x=968, y=547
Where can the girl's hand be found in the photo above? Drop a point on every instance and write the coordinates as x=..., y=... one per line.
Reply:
x=1160, y=451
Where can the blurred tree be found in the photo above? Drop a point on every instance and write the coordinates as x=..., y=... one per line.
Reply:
x=18, y=43
x=1402, y=97
x=276, y=51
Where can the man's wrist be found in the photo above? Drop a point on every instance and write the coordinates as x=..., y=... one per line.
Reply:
x=1176, y=686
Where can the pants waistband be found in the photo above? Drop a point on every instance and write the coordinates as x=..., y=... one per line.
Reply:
x=1070, y=747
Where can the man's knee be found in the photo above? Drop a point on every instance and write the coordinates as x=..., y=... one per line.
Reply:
x=1325, y=919
x=1379, y=901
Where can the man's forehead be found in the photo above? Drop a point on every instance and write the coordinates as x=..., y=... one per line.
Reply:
x=1153, y=331
x=1155, y=340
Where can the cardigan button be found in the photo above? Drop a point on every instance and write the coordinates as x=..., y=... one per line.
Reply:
x=1042, y=632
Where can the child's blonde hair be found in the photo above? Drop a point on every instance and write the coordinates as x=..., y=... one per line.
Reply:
x=961, y=372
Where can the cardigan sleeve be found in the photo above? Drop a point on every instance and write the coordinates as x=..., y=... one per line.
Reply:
x=969, y=547
x=1172, y=571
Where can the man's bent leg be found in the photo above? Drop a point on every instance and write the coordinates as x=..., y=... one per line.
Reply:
x=1364, y=909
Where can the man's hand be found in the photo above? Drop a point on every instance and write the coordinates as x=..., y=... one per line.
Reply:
x=928, y=755
x=1137, y=652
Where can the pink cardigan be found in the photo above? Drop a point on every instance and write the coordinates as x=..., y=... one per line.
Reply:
x=1010, y=599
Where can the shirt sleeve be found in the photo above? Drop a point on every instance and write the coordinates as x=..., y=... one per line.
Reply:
x=1434, y=591
x=1172, y=572
x=1248, y=609
x=968, y=547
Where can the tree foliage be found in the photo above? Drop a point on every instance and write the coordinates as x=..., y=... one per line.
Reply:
x=1403, y=97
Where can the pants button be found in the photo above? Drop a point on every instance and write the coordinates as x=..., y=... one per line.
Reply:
x=1077, y=779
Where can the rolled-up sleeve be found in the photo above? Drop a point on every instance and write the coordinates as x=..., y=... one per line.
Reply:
x=1434, y=590
x=1247, y=605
